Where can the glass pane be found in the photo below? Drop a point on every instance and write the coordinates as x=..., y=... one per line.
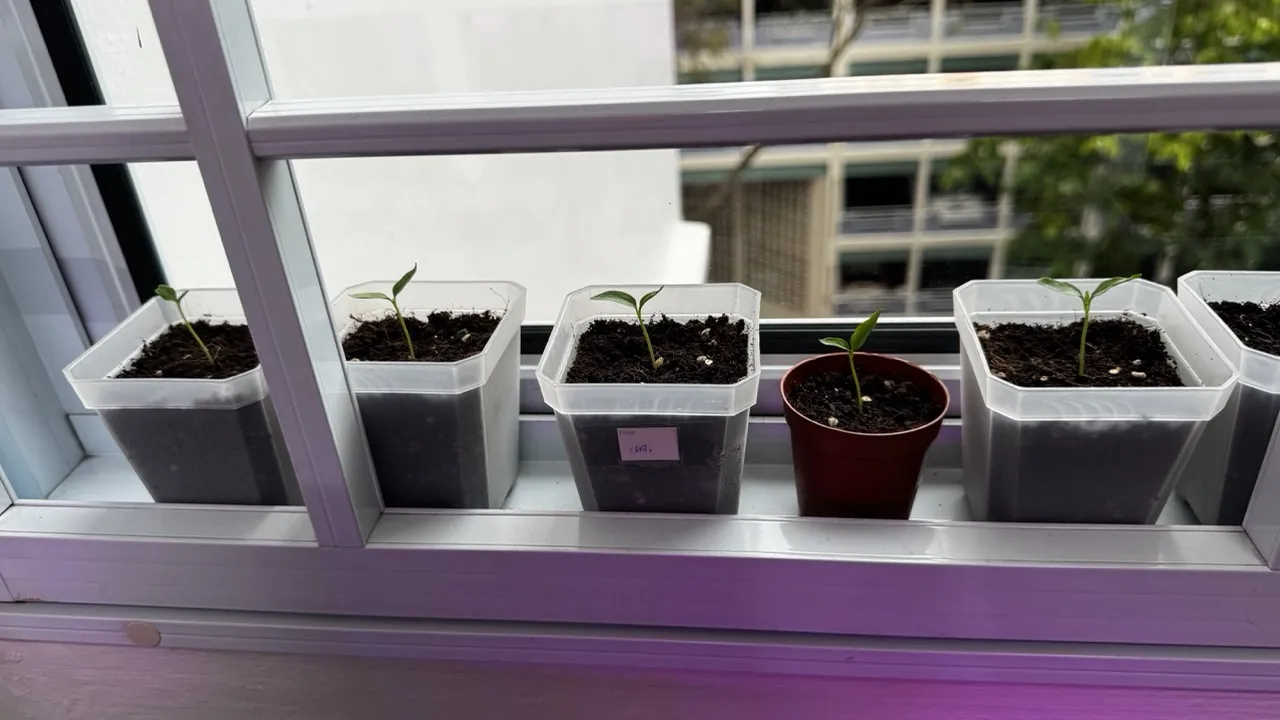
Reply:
x=166, y=404
x=323, y=48
x=120, y=38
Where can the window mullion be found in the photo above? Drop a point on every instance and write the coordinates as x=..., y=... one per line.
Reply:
x=218, y=73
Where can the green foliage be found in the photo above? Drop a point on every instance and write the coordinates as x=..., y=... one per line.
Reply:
x=853, y=345
x=702, y=32
x=396, y=289
x=1086, y=300
x=622, y=298
x=168, y=294
x=1111, y=202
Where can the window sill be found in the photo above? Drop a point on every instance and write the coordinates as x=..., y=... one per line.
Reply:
x=543, y=561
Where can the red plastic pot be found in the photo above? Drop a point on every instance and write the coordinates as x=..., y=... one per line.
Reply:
x=859, y=475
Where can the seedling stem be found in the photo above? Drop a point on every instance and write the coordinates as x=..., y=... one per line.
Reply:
x=1086, y=300
x=164, y=292
x=396, y=289
x=627, y=299
x=852, y=345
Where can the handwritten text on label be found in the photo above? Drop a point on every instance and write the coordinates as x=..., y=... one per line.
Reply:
x=650, y=443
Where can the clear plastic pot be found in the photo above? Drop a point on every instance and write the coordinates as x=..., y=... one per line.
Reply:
x=1218, y=481
x=442, y=435
x=1081, y=455
x=190, y=441
x=694, y=436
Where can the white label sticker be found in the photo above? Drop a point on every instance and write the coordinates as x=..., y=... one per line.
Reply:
x=649, y=443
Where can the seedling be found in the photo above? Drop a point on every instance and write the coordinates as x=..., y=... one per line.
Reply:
x=622, y=298
x=395, y=293
x=164, y=292
x=852, y=345
x=1086, y=299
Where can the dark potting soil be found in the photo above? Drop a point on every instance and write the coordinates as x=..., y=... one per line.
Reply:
x=1119, y=353
x=706, y=479
x=207, y=455
x=889, y=405
x=1218, y=481
x=1257, y=326
x=433, y=451
x=175, y=354
x=1056, y=471
x=444, y=337
x=614, y=351
x=428, y=450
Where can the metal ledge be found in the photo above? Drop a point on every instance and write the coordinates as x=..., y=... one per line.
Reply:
x=93, y=134
x=543, y=561
x=939, y=105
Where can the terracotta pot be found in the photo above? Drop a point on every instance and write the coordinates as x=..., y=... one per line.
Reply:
x=859, y=475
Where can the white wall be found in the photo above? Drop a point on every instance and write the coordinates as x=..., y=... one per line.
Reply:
x=550, y=222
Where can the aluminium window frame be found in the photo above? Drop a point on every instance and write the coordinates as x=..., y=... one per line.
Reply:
x=1187, y=586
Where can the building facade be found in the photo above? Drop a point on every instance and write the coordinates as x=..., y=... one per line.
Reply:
x=877, y=230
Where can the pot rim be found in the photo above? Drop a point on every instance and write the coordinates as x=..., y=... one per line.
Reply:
x=796, y=413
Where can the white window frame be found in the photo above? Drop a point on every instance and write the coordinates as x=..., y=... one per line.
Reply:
x=347, y=555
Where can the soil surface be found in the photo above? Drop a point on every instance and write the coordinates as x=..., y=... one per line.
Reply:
x=613, y=351
x=175, y=354
x=444, y=337
x=1119, y=353
x=1257, y=326
x=894, y=406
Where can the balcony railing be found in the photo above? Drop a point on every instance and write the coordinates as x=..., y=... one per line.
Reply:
x=1077, y=19
x=717, y=32
x=787, y=29
x=892, y=301
x=985, y=20
x=897, y=24
x=960, y=213
x=876, y=220
x=807, y=29
x=867, y=299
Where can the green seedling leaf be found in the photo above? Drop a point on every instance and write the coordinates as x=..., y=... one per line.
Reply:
x=622, y=298
x=619, y=297
x=395, y=292
x=1065, y=288
x=859, y=336
x=164, y=292
x=168, y=294
x=1106, y=285
x=649, y=296
x=850, y=346
x=1086, y=303
x=403, y=281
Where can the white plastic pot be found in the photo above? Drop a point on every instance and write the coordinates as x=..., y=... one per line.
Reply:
x=1218, y=482
x=190, y=441
x=442, y=435
x=701, y=429
x=1080, y=455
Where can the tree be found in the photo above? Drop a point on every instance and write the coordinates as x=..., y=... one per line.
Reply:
x=700, y=30
x=1113, y=204
x=848, y=19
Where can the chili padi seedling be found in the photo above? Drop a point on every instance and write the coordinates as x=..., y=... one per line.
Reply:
x=164, y=292
x=852, y=345
x=396, y=289
x=623, y=298
x=1086, y=299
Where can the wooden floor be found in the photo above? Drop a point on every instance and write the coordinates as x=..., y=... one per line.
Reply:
x=48, y=681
